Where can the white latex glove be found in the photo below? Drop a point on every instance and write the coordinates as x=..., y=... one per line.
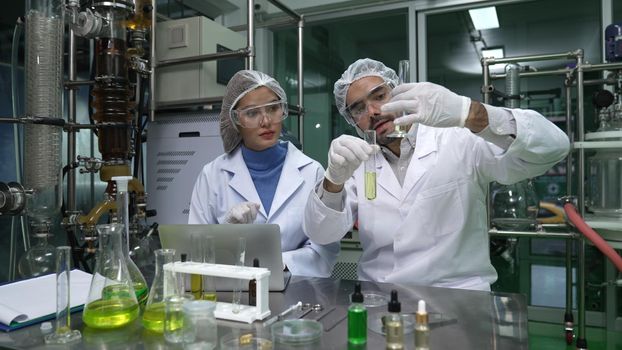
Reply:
x=345, y=155
x=428, y=104
x=243, y=213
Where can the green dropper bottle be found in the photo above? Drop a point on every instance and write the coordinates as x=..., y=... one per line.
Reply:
x=357, y=318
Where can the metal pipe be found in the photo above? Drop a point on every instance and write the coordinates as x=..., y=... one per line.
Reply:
x=301, y=82
x=71, y=118
x=512, y=85
x=539, y=73
x=204, y=58
x=581, y=198
x=154, y=64
x=250, y=34
x=569, y=120
x=286, y=9
x=532, y=234
x=76, y=83
x=487, y=94
x=601, y=66
x=532, y=58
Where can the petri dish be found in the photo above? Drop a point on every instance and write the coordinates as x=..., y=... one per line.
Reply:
x=248, y=341
x=296, y=332
x=373, y=299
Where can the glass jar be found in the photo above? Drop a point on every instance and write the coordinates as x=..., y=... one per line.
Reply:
x=605, y=182
x=200, y=329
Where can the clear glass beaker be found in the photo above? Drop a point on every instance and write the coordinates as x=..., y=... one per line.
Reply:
x=200, y=329
x=112, y=300
x=515, y=206
x=174, y=317
x=153, y=317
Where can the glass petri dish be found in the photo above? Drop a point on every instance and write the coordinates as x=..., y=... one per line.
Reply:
x=248, y=341
x=296, y=332
x=373, y=299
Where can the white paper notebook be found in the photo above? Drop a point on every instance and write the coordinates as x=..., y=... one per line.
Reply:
x=34, y=300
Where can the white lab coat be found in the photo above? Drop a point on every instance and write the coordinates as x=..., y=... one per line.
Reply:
x=226, y=181
x=433, y=230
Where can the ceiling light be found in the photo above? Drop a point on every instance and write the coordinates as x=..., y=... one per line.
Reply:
x=484, y=18
x=496, y=52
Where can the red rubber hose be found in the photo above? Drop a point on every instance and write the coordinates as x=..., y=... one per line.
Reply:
x=595, y=238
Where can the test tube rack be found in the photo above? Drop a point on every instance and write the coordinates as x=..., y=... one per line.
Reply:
x=224, y=310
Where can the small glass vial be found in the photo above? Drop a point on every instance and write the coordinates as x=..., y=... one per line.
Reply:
x=199, y=325
x=393, y=325
x=357, y=318
x=252, y=287
x=422, y=330
x=370, y=167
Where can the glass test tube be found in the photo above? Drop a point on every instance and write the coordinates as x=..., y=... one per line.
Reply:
x=239, y=261
x=370, y=167
x=403, y=76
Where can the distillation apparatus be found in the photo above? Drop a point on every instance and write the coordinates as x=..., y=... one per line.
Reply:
x=120, y=29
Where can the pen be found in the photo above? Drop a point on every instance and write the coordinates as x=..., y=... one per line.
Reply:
x=283, y=314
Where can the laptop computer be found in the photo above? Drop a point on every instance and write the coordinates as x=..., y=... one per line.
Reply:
x=263, y=241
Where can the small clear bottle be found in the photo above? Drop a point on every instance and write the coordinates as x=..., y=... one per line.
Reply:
x=393, y=325
x=153, y=317
x=357, y=318
x=422, y=329
x=370, y=167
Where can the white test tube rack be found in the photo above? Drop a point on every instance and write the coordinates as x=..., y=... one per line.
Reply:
x=246, y=313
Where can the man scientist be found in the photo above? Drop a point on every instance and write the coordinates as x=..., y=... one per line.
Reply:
x=428, y=223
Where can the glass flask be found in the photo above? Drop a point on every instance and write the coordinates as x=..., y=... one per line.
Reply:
x=112, y=300
x=38, y=260
x=515, y=206
x=123, y=217
x=153, y=317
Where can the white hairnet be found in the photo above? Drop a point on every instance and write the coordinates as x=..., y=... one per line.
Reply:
x=241, y=83
x=364, y=67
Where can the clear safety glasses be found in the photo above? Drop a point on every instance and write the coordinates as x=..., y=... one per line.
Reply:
x=377, y=96
x=253, y=117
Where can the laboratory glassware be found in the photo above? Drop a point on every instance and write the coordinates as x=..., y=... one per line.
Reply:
x=515, y=206
x=153, y=317
x=403, y=76
x=394, y=325
x=174, y=317
x=196, y=255
x=239, y=261
x=63, y=333
x=123, y=217
x=370, y=167
x=199, y=328
x=38, y=260
x=357, y=318
x=422, y=329
x=209, y=256
x=605, y=182
x=112, y=300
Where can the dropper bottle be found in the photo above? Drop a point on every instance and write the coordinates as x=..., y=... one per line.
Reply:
x=357, y=318
x=422, y=330
x=393, y=324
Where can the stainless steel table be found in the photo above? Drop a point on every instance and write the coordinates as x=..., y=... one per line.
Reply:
x=460, y=319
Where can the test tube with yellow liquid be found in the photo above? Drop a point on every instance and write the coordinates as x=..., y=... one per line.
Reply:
x=403, y=76
x=370, y=167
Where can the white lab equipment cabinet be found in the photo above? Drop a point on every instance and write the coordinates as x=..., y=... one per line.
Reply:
x=191, y=37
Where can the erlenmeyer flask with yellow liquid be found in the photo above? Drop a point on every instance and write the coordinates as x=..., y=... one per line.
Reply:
x=112, y=300
x=153, y=317
x=123, y=217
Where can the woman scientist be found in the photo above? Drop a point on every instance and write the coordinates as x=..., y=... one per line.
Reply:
x=259, y=179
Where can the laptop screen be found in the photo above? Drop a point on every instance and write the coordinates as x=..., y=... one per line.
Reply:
x=263, y=241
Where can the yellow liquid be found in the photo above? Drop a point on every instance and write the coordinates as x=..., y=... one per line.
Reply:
x=112, y=313
x=175, y=321
x=153, y=317
x=370, y=185
x=196, y=286
x=211, y=296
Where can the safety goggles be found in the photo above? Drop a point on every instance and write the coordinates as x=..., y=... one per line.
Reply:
x=377, y=96
x=253, y=117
